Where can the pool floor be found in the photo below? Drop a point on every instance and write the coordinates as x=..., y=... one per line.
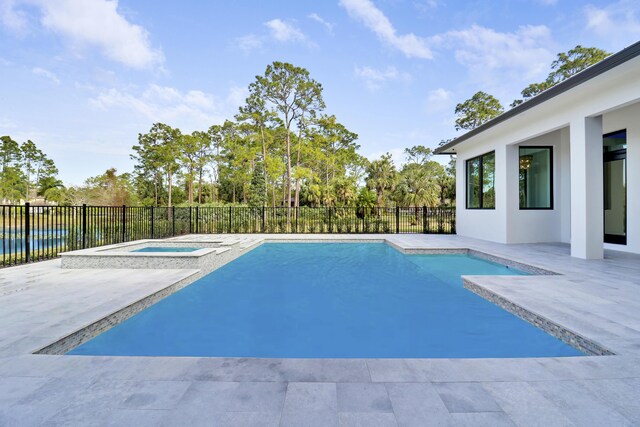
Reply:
x=331, y=300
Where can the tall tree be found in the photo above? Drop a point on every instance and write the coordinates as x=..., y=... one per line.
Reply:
x=566, y=65
x=335, y=152
x=419, y=179
x=477, y=110
x=215, y=141
x=158, y=151
x=416, y=187
x=203, y=156
x=381, y=177
x=11, y=177
x=310, y=102
x=32, y=158
x=285, y=89
x=107, y=189
x=258, y=192
x=418, y=154
x=193, y=156
x=47, y=176
x=257, y=115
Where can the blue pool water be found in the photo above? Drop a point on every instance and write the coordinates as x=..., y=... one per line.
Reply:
x=166, y=249
x=331, y=300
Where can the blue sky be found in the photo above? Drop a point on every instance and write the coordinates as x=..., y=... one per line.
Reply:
x=82, y=78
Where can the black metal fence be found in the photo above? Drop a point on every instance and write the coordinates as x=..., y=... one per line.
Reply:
x=35, y=233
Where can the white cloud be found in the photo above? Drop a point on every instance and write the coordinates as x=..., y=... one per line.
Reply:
x=327, y=25
x=365, y=11
x=426, y=6
x=14, y=20
x=494, y=58
x=46, y=74
x=279, y=31
x=237, y=95
x=192, y=109
x=438, y=100
x=248, y=42
x=374, y=78
x=618, y=20
x=284, y=31
x=439, y=95
x=91, y=23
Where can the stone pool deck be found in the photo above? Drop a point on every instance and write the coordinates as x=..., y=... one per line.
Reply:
x=599, y=300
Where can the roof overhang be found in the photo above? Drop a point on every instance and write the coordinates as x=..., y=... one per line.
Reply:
x=587, y=74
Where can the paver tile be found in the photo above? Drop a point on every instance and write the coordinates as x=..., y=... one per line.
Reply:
x=367, y=419
x=135, y=417
x=258, y=397
x=480, y=419
x=579, y=405
x=417, y=404
x=466, y=397
x=154, y=394
x=309, y=419
x=363, y=397
x=525, y=405
x=311, y=397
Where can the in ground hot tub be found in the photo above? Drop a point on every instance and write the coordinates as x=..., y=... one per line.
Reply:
x=204, y=256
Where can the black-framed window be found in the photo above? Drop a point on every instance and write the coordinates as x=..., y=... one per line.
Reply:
x=536, y=177
x=480, y=174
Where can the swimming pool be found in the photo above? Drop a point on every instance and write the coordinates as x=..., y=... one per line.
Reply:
x=166, y=249
x=338, y=300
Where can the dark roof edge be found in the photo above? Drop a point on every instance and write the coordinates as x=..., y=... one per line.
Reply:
x=595, y=70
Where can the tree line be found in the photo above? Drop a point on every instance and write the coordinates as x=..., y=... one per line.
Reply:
x=282, y=148
x=26, y=172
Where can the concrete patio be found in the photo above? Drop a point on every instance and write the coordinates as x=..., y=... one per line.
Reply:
x=597, y=299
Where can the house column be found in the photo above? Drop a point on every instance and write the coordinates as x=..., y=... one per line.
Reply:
x=587, y=216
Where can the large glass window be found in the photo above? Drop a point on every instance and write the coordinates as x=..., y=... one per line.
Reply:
x=481, y=172
x=536, y=178
x=615, y=187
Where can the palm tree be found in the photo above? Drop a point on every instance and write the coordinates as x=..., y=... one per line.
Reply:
x=382, y=176
x=417, y=188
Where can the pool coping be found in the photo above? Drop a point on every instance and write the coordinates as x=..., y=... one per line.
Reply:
x=575, y=340
x=564, y=334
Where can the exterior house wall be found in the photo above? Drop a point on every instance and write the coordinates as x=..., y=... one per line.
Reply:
x=486, y=224
x=535, y=225
x=615, y=97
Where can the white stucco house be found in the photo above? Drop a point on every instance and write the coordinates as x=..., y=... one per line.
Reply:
x=562, y=167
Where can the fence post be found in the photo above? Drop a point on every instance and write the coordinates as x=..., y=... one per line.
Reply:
x=84, y=226
x=197, y=219
x=173, y=220
x=424, y=220
x=264, y=216
x=330, y=212
x=230, y=223
x=452, y=217
x=124, y=222
x=397, y=219
x=190, y=219
x=152, y=221
x=27, y=233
